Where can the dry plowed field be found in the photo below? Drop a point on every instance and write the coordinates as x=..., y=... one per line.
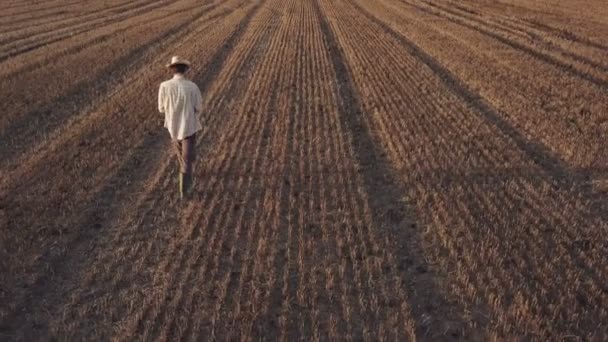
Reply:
x=431, y=170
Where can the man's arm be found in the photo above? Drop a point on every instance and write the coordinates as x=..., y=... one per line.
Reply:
x=161, y=99
x=198, y=100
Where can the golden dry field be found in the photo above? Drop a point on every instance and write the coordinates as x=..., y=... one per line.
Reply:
x=397, y=170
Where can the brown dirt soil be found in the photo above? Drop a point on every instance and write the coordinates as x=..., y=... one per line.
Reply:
x=368, y=170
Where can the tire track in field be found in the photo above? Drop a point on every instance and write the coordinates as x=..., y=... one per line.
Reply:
x=15, y=48
x=207, y=77
x=535, y=151
x=525, y=27
x=520, y=106
x=12, y=34
x=559, y=199
x=406, y=261
x=557, y=169
x=20, y=23
x=566, y=115
x=18, y=30
x=73, y=105
x=30, y=11
x=156, y=142
x=459, y=18
x=563, y=34
x=527, y=19
x=77, y=125
x=41, y=59
x=539, y=55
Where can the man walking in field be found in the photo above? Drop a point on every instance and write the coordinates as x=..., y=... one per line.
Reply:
x=181, y=101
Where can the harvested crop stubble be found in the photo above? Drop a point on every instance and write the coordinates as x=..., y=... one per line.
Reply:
x=92, y=68
x=367, y=170
x=477, y=181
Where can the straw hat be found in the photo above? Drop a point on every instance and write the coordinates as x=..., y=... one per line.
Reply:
x=175, y=60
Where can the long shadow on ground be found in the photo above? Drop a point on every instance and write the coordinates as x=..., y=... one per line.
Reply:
x=426, y=300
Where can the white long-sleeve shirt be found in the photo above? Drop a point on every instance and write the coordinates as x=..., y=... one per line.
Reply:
x=181, y=101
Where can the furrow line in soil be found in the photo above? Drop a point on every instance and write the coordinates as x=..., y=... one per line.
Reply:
x=48, y=124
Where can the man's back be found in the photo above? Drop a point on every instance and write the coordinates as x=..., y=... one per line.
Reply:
x=181, y=101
